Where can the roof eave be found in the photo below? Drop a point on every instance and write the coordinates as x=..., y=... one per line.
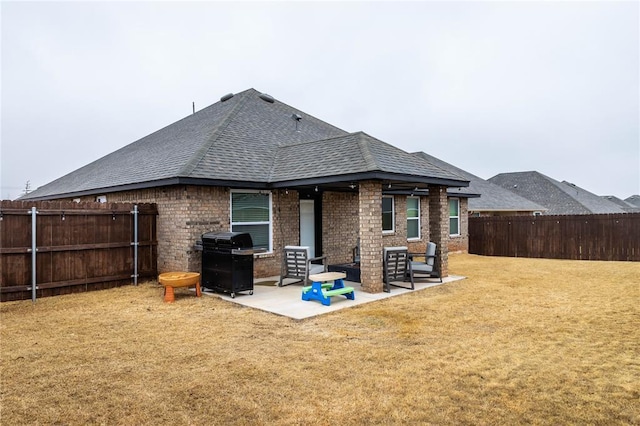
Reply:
x=152, y=184
x=354, y=177
x=372, y=175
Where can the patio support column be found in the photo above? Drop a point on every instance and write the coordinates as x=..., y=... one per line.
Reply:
x=370, y=231
x=439, y=226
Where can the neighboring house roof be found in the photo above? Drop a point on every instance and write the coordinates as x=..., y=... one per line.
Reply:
x=248, y=140
x=626, y=206
x=493, y=198
x=633, y=200
x=557, y=197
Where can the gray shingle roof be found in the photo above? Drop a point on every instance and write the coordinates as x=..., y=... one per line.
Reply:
x=353, y=153
x=557, y=197
x=243, y=139
x=492, y=197
x=626, y=206
x=633, y=200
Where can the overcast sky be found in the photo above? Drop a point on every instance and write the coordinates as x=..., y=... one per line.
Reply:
x=490, y=87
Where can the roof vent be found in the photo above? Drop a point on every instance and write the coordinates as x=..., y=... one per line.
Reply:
x=226, y=97
x=266, y=98
x=296, y=118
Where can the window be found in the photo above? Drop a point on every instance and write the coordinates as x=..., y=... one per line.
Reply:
x=101, y=199
x=454, y=216
x=387, y=214
x=413, y=218
x=251, y=212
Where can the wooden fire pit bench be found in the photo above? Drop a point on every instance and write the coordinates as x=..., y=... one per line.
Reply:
x=171, y=280
x=326, y=285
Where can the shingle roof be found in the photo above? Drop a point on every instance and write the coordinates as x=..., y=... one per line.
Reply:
x=557, y=197
x=492, y=197
x=626, y=206
x=247, y=138
x=633, y=200
x=353, y=153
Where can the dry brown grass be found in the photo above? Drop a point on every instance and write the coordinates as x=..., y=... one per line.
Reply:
x=519, y=341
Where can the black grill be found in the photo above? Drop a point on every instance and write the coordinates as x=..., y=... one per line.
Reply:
x=227, y=262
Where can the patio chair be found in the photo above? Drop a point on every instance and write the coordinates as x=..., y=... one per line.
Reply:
x=356, y=252
x=397, y=267
x=426, y=269
x=296, y=264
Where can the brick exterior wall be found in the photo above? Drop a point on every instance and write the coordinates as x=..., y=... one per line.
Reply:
x=286, y=232
x=439, y=226
x=460, y=243
x=186, y=212
x=339, y=226
x=370, y=218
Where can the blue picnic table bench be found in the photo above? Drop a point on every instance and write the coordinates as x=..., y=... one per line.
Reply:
x=326, y=285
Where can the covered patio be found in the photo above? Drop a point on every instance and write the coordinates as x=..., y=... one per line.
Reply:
x=287, y=301
x=351, y=215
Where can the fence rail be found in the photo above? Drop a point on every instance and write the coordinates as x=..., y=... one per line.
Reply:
x=78, y=247
x=579, y=237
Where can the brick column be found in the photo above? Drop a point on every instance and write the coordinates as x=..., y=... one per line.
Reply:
x=370, y=231
x=439, y=226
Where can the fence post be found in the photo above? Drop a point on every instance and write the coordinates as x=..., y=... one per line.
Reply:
x=34, y=249
x=135, y=244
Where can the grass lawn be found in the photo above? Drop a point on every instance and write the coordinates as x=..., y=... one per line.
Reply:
x=531, y=341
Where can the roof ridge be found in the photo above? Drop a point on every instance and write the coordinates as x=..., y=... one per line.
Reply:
x=584, y=197
x=434, y=160
x=365, y=149
x=199, y=155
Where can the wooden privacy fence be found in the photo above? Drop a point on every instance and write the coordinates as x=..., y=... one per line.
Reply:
x=78, y=247
x=586, y=237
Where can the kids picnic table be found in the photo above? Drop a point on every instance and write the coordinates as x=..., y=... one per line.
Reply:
x=326, y=285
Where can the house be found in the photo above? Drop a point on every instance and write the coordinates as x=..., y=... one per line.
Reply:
x=251, y=163
x=626, y=206
x=634, y=200
x=558, y=198
x=486, y=198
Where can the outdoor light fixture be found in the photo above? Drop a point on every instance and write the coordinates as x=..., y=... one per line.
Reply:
x=316, y=188
x=352, y=186
x=286, y=191
x=113, y=216
x=63, y=216
x=389, y=187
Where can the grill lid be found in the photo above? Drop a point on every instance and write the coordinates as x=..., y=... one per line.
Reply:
x=236, y=240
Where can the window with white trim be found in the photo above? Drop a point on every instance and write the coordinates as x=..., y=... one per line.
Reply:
x=413, y=218
x=388, y=217
x=251, y=212
x=454, y=216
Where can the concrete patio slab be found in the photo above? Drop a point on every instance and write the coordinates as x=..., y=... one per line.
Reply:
x=287, y=301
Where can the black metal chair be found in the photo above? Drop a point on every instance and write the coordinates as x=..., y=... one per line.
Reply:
x=296, y=264
x=428, y=268
x=356, y=252
x=397, y=267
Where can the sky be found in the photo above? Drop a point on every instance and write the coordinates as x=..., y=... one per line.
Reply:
x=490, y=87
